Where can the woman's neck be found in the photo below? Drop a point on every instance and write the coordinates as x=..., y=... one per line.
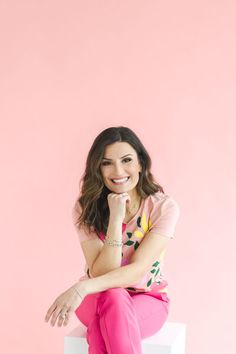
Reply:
x=132, y=210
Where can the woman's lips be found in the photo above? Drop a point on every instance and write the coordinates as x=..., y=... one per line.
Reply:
x=122, y=179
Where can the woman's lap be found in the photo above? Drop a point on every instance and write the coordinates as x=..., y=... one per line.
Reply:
x=151, y=309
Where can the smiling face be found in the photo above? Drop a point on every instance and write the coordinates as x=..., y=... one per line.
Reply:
x=120, y=161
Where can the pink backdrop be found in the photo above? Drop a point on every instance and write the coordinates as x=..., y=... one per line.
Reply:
x=68, y=70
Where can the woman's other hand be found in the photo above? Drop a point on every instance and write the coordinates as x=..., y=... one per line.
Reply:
x=117, y=204
x=66, y=303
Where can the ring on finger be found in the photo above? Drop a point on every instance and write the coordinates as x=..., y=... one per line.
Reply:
x=63, y=315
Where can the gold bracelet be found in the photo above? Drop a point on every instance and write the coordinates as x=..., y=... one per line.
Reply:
x=77, y=292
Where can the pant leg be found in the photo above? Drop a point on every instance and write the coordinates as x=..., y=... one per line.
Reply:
x=151, y=312
x=118, y=322
x=111, y=322
x=87, y=314
x=94, y=337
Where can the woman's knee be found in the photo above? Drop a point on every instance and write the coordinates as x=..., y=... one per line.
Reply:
x=88, y=308
x=114, y=296
x=114, y=293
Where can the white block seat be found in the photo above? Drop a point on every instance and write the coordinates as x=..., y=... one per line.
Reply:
x=170, y=339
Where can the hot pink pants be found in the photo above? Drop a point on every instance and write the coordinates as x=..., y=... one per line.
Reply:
x=117, y=319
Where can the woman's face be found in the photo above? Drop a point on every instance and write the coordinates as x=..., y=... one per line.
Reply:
x=120, y=161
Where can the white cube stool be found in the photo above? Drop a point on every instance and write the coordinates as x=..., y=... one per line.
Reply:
x=170, y=339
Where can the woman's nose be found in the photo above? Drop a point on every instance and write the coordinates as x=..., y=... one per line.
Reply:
x=118, y=170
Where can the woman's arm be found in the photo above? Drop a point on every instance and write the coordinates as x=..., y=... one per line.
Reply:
x=110, y=257
x=123, y=277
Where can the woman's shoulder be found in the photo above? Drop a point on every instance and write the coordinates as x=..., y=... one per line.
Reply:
x=76, y=212
x=159, y=199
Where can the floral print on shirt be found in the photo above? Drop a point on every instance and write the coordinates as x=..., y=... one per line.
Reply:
x=154, y=276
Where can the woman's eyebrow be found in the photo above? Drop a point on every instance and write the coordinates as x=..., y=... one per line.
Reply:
x=105, y=158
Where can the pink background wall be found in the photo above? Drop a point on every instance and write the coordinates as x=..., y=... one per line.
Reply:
x=71, y=69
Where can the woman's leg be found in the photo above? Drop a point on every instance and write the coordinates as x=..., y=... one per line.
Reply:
x=111, y=322
x=151, y=312
x=87, y=314
x=117, y=320
x=94, y=337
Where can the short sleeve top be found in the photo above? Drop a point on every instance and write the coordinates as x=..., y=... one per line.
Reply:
x=158, y=214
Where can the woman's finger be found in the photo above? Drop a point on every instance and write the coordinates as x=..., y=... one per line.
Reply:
x=55, y=315
x=68, y=316
x=50, y=311
x=61, y=319
x=65, y=319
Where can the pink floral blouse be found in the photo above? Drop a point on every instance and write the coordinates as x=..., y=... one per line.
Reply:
x=157, y=214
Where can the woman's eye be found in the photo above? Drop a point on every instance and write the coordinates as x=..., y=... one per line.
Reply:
x=107, y=162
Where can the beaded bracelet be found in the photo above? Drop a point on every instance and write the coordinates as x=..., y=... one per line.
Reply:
x=110, y=243
x=114, y=243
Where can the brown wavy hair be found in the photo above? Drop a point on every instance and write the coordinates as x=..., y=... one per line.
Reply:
x=91, y=208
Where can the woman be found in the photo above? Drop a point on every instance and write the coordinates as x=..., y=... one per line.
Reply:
x=124, y=222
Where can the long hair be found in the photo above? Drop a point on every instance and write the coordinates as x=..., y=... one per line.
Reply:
x=91, y=208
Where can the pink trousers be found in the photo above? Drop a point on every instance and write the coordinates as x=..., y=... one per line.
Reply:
x=117, y=319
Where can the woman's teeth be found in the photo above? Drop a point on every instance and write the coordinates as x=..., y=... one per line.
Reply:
x=120, y=181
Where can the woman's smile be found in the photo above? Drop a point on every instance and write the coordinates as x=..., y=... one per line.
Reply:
x=120, y=180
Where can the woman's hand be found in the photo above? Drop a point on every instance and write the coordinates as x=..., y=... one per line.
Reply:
x=66, y=303
x=117, y=204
